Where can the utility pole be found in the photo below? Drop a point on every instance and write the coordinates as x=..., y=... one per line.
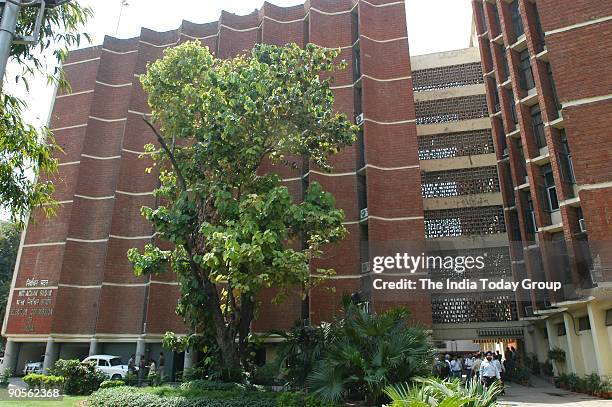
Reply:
x=7, y=34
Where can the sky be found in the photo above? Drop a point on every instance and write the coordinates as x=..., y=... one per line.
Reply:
x=433, y=26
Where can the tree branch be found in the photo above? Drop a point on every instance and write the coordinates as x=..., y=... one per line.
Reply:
x=181, y=180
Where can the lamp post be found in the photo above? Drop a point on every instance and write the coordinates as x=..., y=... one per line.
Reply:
x=8, y=25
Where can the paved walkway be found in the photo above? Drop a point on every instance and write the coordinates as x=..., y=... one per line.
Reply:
x=543, y=394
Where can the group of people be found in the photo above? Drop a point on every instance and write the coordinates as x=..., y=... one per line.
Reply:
x=487, y=367
x=147, y=370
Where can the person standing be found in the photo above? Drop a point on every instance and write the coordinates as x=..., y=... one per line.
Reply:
x=142, y=369
x=469, y=363
x=455, y=367
x=476, y=366
x=447, y=361
x=489, y=373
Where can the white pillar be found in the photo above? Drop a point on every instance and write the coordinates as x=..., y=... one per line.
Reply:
x=94, y=347
x=140, y=351
x=188, y=363
x=10, y=355
x=573, y=345
x=552, y=342
x=51, y=354
x=601, y=340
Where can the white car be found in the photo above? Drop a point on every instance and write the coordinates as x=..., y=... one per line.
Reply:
x=111, y=365
x=33, y=367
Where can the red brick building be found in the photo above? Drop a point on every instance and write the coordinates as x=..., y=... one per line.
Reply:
x=75, y=293
x=549, y=87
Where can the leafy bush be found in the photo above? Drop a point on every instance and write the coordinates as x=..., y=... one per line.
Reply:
x=203, y=385
x=194, y=373
x=301, y=400
x=127, y=396
x=111, y=383
x=521, y=374
x=531, y=361
x=368, y=352
x=80, y=378
x=436, y=392
x=556, y=354
x=33, y=380
x=301, y=348
x=4, y=377
x=172, y=397
x=266, y=375
x=53, y=382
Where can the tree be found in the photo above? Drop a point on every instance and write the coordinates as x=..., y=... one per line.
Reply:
x=25, y=149
x=9, y=244
x=233, y=227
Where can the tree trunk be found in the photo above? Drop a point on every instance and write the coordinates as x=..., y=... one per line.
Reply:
x=247, y=313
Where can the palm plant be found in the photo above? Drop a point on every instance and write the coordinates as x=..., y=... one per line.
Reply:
x=367, y=353
x=442, y=393
x=301, y=348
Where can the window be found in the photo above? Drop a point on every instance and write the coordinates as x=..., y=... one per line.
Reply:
x=584, y=324
x=512, y=107
x=538, y=26
x=550, y=189
x=538, y=126
x=565, y=159
x=525, y=71
x=521, y=165
x=496, y=106
x=357, y=63
x=560, y=329
x=116, y=362
x=102, y=362
x=495, y=21
x=516, y=19
x=609, y=317
x=530, y=216
x=553, y=88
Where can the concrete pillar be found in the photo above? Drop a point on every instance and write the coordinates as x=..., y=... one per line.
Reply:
x=576, y=361
x=51, y=355
x=188, y=363
x=11, y=351
x=601, y=340
x=140, y=350
x=552, y=342
x=94, y=347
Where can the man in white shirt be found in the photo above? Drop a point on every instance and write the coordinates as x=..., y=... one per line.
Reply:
x=489, y=371
x=469, y=363
x=455, y=368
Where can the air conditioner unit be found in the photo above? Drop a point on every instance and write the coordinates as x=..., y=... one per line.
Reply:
x=363, y=213
x=505, y=152
x=365, y=267
x=529, y=311
x=582, y=224
x=359, y=119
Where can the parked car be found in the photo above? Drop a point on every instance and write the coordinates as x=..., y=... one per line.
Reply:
x=33, y=367
x=111, y=365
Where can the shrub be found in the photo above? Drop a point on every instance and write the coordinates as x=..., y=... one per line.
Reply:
x=4, y=377
x=172, y=397
x=266, y=375
x=556, y=354
x=436, y=392
x=33, y=380
x=301, y=400
x=521, y=374
x=111, y=383
x=368, y=352
x=194, y=373
x=80, y=378
x=203, y=385
x=127, y=396
x=53, y=382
